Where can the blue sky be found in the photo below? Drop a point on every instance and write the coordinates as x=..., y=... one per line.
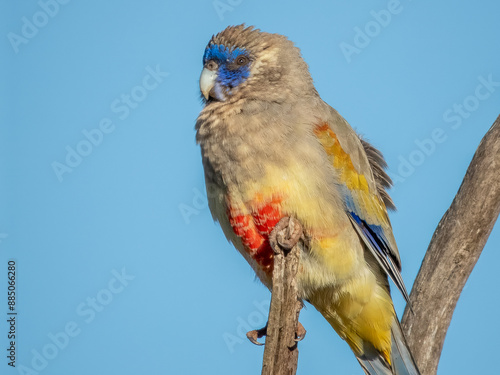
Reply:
x=120, y=268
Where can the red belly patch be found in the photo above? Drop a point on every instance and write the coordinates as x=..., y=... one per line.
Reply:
x=254, y=229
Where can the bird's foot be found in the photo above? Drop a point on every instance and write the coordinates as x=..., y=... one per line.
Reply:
x=256, y=334
x=300, y=333
x=287, y=232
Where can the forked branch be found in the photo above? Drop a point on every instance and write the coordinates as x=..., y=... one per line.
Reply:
x=453, y=252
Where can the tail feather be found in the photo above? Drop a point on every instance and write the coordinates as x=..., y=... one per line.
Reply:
x=374, y=365
x=402, y=362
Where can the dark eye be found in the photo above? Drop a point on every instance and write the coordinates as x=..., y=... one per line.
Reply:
x=211, y=65
x=241, y=60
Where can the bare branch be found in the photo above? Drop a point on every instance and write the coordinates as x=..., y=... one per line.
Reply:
x=452, y=254
x=281, y=354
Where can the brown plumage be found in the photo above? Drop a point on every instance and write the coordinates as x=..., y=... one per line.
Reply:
x=271, y=147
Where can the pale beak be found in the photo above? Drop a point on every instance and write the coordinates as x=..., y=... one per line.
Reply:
x=207, y=81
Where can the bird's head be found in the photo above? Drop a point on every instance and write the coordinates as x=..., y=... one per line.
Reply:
x=243, y=62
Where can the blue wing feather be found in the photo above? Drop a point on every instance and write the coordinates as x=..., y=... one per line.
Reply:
x=374, y=238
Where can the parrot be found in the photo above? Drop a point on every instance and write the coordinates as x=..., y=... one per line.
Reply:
x=272, y=148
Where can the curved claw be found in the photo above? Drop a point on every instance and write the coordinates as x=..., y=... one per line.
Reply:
x=257, y=334
x=300, y=334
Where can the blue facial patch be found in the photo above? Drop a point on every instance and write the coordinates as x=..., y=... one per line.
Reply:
x=221, y=54
x=232, y=78
x=229, y=74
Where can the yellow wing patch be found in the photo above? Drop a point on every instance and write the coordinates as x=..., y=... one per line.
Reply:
x=363, y=200
x=340, y=159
